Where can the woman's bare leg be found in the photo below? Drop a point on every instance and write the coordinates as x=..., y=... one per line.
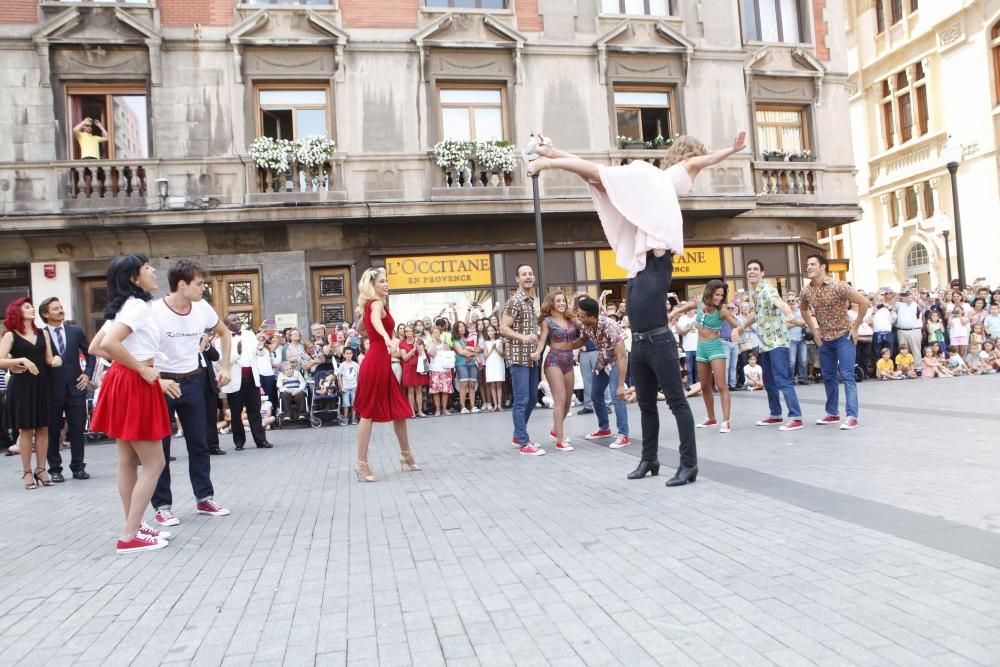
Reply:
x=588, y=171
x=719, y=373
x=704, y=371
x=557, y=386
x=364, y=436
x=150, y=453
x=128, y=464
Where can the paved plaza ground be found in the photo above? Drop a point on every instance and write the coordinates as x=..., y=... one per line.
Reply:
x=879, y=546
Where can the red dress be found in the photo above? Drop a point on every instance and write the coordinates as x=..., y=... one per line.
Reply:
x=411, y=378
x=379, y=396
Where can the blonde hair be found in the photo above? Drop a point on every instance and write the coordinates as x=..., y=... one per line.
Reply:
x=684, y=147
x=366, y=287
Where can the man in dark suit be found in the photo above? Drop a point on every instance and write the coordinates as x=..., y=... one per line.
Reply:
x=208, y=355
x=67, y=388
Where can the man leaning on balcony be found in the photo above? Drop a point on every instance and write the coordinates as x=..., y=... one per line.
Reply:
x=90, y=143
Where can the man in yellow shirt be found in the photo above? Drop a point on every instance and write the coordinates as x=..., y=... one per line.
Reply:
x=90, y=143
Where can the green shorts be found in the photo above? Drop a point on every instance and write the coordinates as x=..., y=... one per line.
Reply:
x=710, y=350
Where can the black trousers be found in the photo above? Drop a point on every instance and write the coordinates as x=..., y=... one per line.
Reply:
x=75, y=409
x=247, y=397
x=212, y=419
x=654, y=365
x=190, y=410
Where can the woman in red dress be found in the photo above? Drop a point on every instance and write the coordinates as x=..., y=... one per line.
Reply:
x=379, y=396
x=411, y=349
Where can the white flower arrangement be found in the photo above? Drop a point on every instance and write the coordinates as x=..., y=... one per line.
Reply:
x=452, y=153
x=314, y=150
x=271, y=154
x=495, y=155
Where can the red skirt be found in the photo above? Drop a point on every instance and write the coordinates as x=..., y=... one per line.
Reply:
x=129, y=408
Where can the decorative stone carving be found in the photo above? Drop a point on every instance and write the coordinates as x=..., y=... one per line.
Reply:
x=482, y=35
x=852, y=86
x=88, y=60
x=781, y=71
x=458, y=63
x=261, y=61
x=950, y=34
x=289, y=27
x=643, y=48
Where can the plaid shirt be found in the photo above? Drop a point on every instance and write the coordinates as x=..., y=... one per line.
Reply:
x=521, y=307
x=606, y=335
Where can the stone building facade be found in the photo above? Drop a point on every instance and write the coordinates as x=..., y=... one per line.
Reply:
x=922, y=72
x=184, y=88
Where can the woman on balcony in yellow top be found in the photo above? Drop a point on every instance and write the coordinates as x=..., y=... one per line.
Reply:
x=90, y=143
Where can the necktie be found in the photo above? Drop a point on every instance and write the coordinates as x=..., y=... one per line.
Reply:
x=60, y=342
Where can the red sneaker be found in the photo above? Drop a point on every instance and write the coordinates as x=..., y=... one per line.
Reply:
x=791, y=425
x=165, y=518
x=140, y=542
x=620, y=441
x=552, y=434
x=709, y=422
x=849, y=425
x=829, y=419
x=531, y=449
x=598, y=434
x=212, y=508
x=770, y=421
x=564, y=446
x=146, y=529
x=516, y=443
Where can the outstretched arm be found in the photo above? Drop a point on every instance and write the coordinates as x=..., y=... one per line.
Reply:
x=696, y=164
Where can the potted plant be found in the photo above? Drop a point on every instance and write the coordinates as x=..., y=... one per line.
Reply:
x=801, y=156
x=773, y=156
x=498, y=157
x=314, y=152
x=629, y=142
x=660, y=143
x=452, y=154
x=272, y=155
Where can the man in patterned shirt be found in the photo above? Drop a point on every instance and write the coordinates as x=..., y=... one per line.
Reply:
x=611, y=366
x=836, y=338
x=772, y=317
x=519, y=325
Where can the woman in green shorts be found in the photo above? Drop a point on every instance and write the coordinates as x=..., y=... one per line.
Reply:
x=711, y=355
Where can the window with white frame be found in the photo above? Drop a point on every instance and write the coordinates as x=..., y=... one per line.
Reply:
x=292, y=112
x=637, y=7
x=895, y=10
x=781, y=128
x=113, y=120
x=472, y=113
x=904, y=105
x=645, y=112
x=774, y=21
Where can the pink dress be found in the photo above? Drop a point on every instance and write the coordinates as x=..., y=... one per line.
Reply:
x=639, y=210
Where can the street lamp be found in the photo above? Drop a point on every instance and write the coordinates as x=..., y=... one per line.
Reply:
x=947, y=254
x=952, y=153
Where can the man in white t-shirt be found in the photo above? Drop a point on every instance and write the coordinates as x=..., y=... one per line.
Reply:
x=182, y=317
x=909, y=328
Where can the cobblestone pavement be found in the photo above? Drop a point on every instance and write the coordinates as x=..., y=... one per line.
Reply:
x=879, y=546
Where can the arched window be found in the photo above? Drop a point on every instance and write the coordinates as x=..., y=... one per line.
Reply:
x=917, y=256
x=995, y=46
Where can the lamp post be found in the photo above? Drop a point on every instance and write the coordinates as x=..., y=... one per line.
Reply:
x=539, y=243
x=947, y=254
x=952, y=152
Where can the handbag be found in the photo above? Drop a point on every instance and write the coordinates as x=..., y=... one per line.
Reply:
x=744, y=347
x=447, y=358
x=422, y=363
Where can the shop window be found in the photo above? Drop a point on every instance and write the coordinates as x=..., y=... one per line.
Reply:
x=644, y=113
x=331, y=289
x=636, y=7
x=781, y=128
x=472, y=113
x=773, y=20
x=235, y=294
x=292, y=112
x=120, y=111
x=467, y=4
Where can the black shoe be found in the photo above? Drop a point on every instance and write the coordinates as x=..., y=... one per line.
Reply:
x=652, y=467
x=239, y=448
x=216, y=452
x=265, y=445
x=683, y=476
x=58, y=478
x=80, y=474
x=585, y=411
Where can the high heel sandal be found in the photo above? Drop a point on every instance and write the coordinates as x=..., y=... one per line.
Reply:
x=406, y=465
x=361, y=466
x=43, y=482
x=33, y=484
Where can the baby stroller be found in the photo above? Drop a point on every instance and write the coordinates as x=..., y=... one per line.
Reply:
x=324, y=405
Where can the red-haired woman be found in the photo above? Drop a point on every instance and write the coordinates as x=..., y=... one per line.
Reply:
x=558, y=329
x=25, y=350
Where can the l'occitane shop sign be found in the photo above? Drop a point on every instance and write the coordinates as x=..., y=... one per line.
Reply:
x=693, y=263
x=428, y=271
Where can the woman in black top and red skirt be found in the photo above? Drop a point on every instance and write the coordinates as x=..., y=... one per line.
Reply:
x=25, y=350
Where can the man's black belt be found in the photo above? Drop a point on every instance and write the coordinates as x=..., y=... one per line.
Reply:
x=636, y=337
x=177, y=377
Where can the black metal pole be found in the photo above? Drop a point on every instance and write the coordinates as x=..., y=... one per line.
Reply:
x=539, y=243
x=947, y=254
x=959, y=250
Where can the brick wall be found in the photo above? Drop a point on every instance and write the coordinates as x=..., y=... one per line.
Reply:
x=820, y=27
x=18, y=11
x=177, y=13
x=379, y=13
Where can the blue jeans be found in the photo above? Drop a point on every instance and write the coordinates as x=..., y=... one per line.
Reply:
x=836, y=357
x=588, y=360
x=524, y=380
x=692, y=367
x=882, y=339
x=778, y=379
x=190, y=409
x=600, y=384
x=797, y=358
x=733, y=350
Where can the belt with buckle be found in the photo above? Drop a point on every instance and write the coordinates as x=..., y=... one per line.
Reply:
x=177, y=377
x=645, y=335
